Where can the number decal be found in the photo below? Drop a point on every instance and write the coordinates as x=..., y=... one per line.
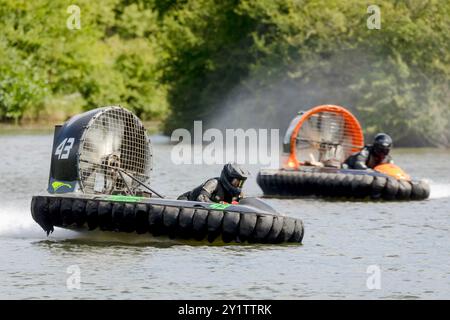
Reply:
x=67, y=148
x=63, y=150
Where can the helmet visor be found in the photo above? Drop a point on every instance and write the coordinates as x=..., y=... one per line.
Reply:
x=237, y=183
x=382, y=151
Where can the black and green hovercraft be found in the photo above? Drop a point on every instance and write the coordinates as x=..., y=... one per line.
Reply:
x=99, y=180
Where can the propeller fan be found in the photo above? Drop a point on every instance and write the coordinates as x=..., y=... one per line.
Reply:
x=323, y=136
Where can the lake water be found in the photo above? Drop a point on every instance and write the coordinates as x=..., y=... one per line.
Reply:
x=408, y=242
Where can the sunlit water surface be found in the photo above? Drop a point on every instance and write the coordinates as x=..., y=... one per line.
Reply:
x=408, y=241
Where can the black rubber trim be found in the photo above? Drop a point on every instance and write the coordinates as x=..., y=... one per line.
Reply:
x=340, y=185
x=169, y=220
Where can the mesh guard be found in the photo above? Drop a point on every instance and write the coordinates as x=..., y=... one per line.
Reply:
x=113, y=147
x=323, y=136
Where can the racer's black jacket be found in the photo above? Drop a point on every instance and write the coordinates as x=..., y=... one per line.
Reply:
x=365, y=159
x=210, y=191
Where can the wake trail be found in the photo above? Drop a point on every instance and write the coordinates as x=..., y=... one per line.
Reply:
x=16, y=223
x=439, y=190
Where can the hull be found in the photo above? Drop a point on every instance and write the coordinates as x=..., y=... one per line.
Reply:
x=339, y=183
x=252, y=221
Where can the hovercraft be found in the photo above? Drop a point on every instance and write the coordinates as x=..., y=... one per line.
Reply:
x=99, y=180
x=316, y=145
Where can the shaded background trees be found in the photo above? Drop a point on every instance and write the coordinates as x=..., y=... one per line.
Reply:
x=231, y=63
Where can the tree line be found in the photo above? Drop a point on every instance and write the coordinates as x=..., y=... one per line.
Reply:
x=231, y=63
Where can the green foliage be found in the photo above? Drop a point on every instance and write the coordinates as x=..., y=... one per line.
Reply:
x=112, y=59
x=232, y=62
x=18, y=90
x=208, y=45
x=293, y=54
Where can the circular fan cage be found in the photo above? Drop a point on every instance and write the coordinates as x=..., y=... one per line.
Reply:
x=325, y=135
x=115, y=155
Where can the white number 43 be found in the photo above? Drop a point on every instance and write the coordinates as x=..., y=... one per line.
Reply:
x=64, y=148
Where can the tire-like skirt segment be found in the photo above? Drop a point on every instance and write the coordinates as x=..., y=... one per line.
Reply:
x=340, y=185
x=161, y=220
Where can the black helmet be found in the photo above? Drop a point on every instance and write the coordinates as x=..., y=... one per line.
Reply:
x=382, y=144
x=233, y=177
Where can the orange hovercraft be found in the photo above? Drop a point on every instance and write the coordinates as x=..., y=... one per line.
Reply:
x=316, y=145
